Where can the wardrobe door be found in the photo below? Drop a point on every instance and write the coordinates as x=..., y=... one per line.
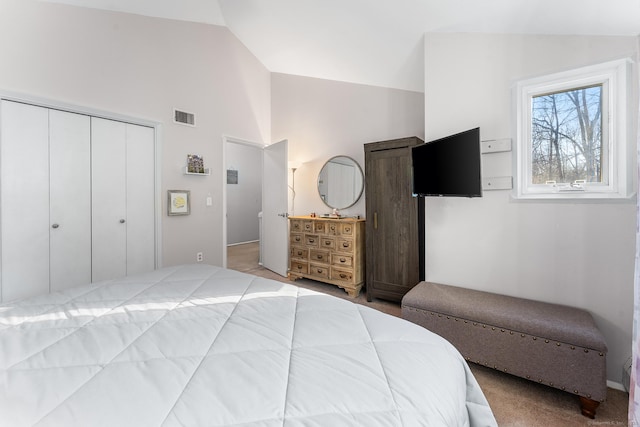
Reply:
x=24, y=199
x=394, y=235
x=140, y=199
x=108, y=199
x=70, y=199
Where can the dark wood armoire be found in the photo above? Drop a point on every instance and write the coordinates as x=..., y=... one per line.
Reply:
x=395, y=220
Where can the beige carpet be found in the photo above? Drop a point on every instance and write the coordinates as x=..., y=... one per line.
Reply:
x=515, y=402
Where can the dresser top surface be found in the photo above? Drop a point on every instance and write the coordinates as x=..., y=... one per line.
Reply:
x=326, y=218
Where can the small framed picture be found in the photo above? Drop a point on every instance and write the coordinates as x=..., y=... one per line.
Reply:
x=179, y=202
x=232, y=176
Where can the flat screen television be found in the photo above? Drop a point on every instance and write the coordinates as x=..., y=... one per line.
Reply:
x=449, y=166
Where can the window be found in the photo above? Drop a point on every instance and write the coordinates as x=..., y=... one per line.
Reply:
x=572, y=134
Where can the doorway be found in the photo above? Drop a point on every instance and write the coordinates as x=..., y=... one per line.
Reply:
x=271, y=228
x=243, y=181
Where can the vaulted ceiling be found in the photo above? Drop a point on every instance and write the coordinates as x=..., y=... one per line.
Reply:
x=377, y=42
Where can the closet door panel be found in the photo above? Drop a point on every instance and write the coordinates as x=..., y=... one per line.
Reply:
x=140, y=199
x=70, y=199
x=108, y=169
x=24, y=200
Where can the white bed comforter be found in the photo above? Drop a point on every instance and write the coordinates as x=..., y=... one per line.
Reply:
x=204, y=346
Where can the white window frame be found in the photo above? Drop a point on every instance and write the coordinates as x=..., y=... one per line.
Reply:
x=614, y=78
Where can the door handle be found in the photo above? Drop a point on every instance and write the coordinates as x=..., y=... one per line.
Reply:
x=375, y=220
x=284, y=215
x=55, y=226
x=122, y=221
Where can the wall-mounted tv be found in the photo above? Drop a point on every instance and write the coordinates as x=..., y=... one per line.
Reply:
x=448, y=166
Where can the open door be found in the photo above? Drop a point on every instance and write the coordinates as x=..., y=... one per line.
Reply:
x=275, y=227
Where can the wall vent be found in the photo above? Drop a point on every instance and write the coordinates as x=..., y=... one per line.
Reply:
x=184, y=118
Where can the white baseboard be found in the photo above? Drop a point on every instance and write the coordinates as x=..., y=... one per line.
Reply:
x=616, y=386
x=243, y=243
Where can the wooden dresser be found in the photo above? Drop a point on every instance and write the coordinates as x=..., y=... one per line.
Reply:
x=328, y=250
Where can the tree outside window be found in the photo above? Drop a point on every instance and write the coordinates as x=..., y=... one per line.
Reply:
x=566, y=136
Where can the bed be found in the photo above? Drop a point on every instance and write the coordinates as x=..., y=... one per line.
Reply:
x=200, y=345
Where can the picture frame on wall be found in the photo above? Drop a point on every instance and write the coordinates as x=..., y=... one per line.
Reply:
x=178, y=202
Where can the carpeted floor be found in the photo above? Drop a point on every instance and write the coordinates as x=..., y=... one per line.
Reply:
x=515, y=402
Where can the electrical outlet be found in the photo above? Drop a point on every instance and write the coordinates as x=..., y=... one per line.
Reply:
x=199, y=257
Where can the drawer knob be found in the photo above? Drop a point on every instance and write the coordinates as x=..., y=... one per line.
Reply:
x=319, y=256
x=345, y=245
x=343, y=260
x=319, y=271
x=311, y=240
x=343, y=276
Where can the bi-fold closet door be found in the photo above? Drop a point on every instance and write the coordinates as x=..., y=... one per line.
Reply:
x=67, y=181
x=45, y=200
x=123, y=199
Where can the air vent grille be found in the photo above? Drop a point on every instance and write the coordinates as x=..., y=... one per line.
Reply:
x=184, y=118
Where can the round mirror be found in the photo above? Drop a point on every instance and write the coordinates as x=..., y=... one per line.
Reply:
x=340, y=182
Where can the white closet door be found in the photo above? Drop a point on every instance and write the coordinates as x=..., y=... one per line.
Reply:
x=140, y=199
x=24, y=200
x=123, y=199
x=109, y=228
x=70, y=199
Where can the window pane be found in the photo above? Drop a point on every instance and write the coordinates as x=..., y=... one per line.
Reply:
x=566, y=136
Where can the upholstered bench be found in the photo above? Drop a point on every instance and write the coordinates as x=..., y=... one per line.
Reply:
x=551, y=344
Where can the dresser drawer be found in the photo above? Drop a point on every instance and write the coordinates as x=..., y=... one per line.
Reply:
x=328, y=243
x=333, y=228
x=307, y=226
x=319, y=227
x=346, y=229
x=316, y=255
x=342, y=275
x=312, y=240
x=344, y=245
x=297, y=226
x=299, y=267
x=299, y=253
x=339, y=259
x=297, y=239
x=321, y=271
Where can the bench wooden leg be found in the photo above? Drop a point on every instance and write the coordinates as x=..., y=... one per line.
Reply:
x=588, y=407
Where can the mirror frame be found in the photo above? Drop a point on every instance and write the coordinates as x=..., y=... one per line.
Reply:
x=357, y=198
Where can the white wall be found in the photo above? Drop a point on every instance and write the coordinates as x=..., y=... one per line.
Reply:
x=244, y=199
x=578, y=254
x=324, y=118
x=144, y=67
